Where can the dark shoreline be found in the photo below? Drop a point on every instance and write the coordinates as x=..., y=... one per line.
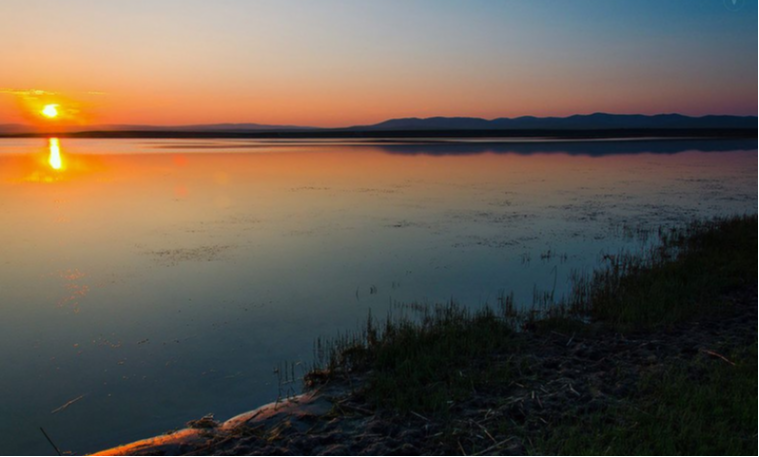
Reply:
x=619, y=370
x=409, y=134
x=572, y=383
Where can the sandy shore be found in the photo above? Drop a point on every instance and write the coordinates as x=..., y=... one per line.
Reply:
x=206, y=433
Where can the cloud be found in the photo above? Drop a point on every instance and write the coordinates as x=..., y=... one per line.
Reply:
x=30, y=94
x=35, y=93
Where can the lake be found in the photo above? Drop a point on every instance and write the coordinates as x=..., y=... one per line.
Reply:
x=145, y=283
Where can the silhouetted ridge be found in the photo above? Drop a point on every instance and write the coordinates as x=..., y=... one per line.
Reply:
x=596, y=121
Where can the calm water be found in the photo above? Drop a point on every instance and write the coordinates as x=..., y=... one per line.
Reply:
x=157, y=281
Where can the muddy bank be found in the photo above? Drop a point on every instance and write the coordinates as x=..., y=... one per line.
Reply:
x=562, y=375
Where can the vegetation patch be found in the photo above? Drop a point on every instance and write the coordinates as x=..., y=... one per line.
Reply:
x=652, y=354
x=682, y=277
x=705, y=408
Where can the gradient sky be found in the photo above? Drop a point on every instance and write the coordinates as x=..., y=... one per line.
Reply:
x=335, y=63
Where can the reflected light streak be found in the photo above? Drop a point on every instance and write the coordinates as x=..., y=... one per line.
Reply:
x=55, y=160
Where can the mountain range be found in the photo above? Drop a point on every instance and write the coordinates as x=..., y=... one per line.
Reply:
x=596, y=121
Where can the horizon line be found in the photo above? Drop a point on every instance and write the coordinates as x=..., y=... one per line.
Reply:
x=69, y=126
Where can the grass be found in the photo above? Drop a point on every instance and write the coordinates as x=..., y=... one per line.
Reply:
x=703, y=409
x=424, y=361
x=682, y=278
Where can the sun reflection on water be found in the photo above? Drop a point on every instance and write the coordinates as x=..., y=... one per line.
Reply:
x=55, y=160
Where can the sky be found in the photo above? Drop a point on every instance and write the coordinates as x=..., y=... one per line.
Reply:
x=337, y=63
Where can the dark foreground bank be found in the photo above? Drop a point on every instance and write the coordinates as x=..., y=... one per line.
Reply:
x=652, y=354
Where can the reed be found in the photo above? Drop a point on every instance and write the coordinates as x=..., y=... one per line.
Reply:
x=423, y=359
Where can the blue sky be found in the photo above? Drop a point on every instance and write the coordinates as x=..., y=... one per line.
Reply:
x=336, y=62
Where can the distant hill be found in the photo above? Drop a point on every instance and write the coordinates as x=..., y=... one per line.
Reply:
x=226, y=127
x=597, y=121
x=601, y=123
x=12, y=129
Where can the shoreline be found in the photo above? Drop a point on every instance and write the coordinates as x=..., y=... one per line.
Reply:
x=616, y=370
x=204, y=432
x=573, y=379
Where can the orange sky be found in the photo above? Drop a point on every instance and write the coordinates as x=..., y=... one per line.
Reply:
x=347, y=63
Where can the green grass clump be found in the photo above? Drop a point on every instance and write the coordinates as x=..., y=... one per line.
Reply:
x=426, y=362
x=441, y=355
x=427, y=368
x=682, y=278
x=707, y=408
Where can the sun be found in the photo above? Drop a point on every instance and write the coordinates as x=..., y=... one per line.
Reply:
x=50, y=111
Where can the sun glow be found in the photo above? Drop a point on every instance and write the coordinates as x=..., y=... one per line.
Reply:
x=50, y=111
x=55, y=160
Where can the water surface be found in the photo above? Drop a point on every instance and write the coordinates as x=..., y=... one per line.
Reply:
x=156, y=281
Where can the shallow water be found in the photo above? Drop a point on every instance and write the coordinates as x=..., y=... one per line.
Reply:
x=156, y=281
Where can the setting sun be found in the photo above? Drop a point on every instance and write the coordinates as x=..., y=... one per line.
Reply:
x=50, y=111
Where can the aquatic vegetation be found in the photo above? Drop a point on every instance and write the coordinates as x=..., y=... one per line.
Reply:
x=678, y=278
